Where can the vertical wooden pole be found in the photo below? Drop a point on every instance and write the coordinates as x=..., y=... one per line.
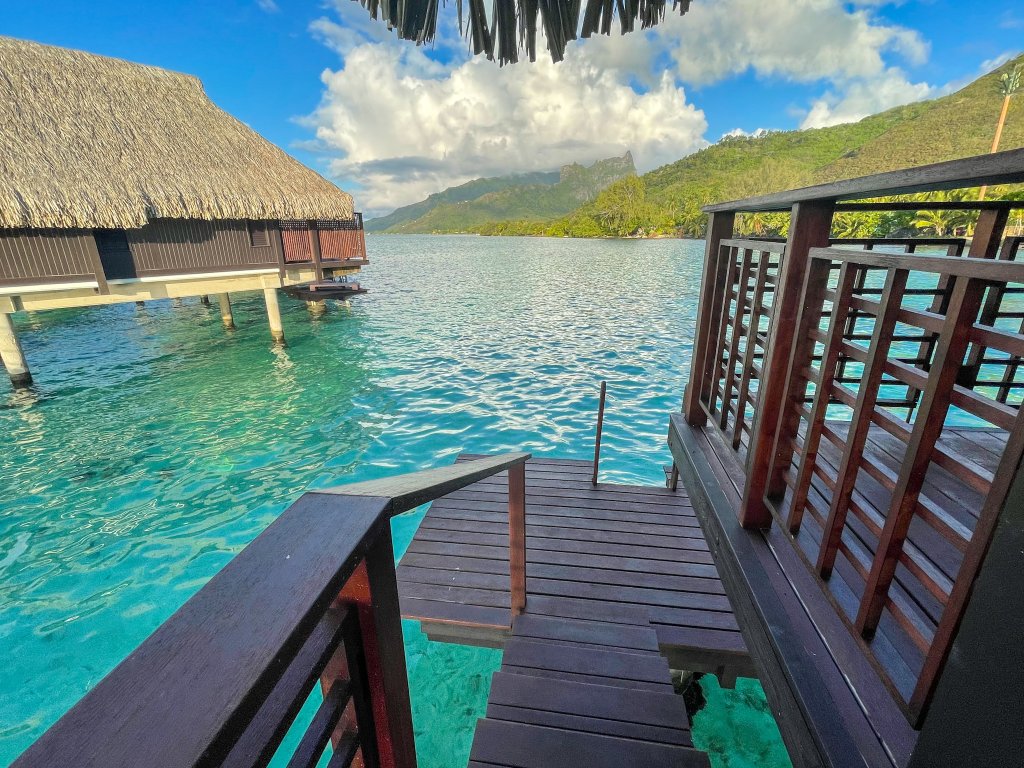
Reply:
x=517, y=536
x=384, y=646
x=362, y=235
x=985, y=245
x=314, y=243
x=362, y=693
x=600, y=428
x=12, y=355
x=810, y=227
x=92, y=253
x=720, y=226
x=226, y=316
x=274, y=315
x=742, y=300
x=760, y=283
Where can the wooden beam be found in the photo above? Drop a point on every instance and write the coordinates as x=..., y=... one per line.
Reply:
x=92, y=253
x=314, y=243
x=809, y=227
x=517, y=537
x=720, y=226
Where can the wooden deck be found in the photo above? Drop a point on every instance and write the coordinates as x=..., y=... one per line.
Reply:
x=583, y=693
x=621, y=554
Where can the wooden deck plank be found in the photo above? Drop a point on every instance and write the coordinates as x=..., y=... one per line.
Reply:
x=530, y=746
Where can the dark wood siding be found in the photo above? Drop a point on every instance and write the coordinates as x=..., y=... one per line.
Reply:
x=45, y=255
x=169, y=246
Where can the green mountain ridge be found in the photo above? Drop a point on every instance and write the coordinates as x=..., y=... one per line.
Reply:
x=471, y=190
x=537, y=197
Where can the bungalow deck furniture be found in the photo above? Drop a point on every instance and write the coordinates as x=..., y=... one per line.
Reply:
x=121, y=182
x=844, y=518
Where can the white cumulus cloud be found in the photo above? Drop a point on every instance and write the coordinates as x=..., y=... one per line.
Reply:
x=397, y=124
x=402, y=126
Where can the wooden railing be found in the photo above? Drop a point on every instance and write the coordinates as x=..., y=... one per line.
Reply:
x=871, y=531
x=323, y=242
x=313, y=599
x=869, y=408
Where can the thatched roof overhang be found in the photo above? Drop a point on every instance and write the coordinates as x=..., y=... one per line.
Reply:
x=92, y=142
x=511, y=25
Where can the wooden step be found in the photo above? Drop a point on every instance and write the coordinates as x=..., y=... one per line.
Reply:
x=552, y=660
x=590, y=633
x=520, y=745
x=574, y=706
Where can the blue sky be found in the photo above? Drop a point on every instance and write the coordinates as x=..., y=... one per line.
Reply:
x=391, y=122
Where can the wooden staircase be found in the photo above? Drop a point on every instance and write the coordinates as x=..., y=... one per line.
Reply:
x=585, y=693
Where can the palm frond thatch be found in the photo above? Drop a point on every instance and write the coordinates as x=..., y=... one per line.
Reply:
x=512, y=26
x=88, y=141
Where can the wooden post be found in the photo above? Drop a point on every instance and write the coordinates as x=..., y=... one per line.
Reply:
x=92, y=253
x=12, y=355
x=314, y=244
x=720, y=226
x=204, y=300
x=517, y=536
x=274, y=315
x=226, y=316
x=600, y=427
x=977, y=709
x=985, y=245
x=810, y=227
x=384, y=647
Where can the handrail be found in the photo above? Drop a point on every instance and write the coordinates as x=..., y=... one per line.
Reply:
x=313, y=597
x=408, y=491
x=997, y=168
x=957, y=266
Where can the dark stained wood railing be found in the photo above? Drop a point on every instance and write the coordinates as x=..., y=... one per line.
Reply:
x=861, y=424
x=871, y=533
x=327, y=243
x=313, y=599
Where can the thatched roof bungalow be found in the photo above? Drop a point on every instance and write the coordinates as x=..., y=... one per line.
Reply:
x=114, y=173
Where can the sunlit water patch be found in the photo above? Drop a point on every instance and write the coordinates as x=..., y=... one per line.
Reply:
x=155, y=445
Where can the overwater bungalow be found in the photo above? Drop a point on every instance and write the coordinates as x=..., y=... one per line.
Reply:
x=124, y=183
x=843, y=518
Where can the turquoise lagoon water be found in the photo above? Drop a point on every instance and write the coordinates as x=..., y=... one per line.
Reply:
x=155, y=445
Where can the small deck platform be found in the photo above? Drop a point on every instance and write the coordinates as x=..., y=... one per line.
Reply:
x=620, y=554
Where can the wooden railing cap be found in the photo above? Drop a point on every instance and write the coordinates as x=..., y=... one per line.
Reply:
x=410, y=490
x=999, y=168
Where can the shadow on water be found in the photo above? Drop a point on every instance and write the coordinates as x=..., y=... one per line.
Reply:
x=155, y=445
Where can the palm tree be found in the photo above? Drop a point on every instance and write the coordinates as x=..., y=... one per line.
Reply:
x=1009, y=84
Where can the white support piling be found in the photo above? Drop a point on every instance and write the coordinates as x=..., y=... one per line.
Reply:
x=12, y=355
x=225, y=311
x=316, y=308
x=274, y=315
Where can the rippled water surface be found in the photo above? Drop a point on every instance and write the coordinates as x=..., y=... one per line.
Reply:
x=155, y=445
